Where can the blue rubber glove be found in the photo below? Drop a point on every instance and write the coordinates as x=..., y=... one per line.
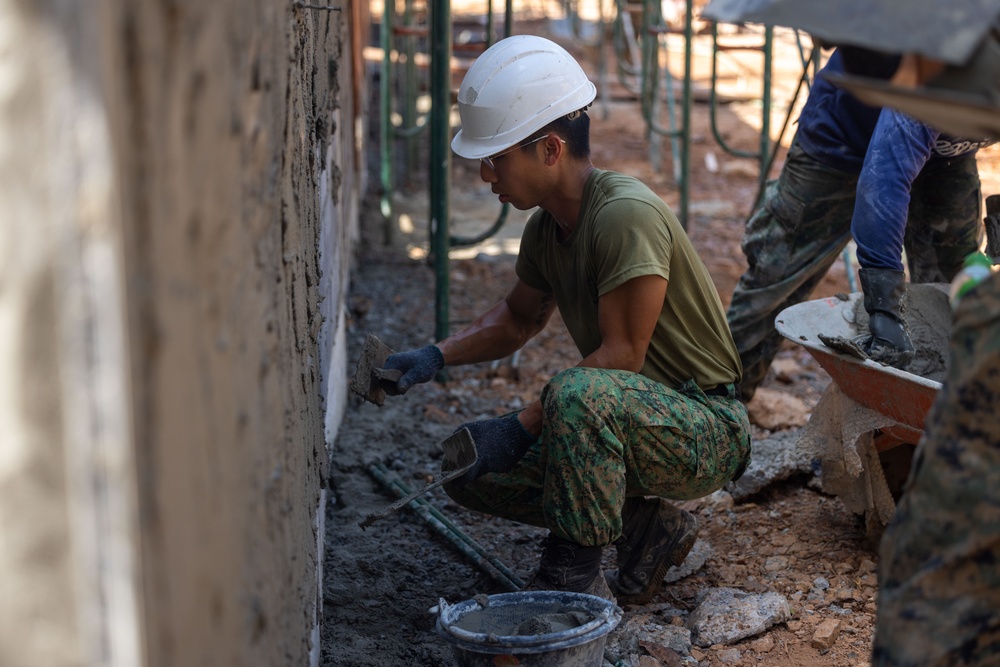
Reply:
x=500, y=444
x=417, y=366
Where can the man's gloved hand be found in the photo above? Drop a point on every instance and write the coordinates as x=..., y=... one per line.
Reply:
x=500, y=444
x=416, y=365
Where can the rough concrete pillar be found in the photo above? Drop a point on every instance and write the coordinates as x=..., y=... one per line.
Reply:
x=178, y=193
x=68, y=543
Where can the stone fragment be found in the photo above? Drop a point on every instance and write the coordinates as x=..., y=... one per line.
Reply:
x=784, y=540
x=826, y=634
x=641, y=631
x=727, y=615
x=665, y=656
x=763, y=645
x=776, y=564
x=696, y=559
x=729, y=656
x=774, y=459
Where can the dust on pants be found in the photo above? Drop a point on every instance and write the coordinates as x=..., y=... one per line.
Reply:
x=939, y=573
x=804, y=224
x=607, y=435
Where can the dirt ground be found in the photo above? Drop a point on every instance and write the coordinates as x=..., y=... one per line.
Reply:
x=380, y=583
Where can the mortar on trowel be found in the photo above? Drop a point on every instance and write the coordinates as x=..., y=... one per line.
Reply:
x=371, y=380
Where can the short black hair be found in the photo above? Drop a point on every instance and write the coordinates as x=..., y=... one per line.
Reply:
x=574, y=128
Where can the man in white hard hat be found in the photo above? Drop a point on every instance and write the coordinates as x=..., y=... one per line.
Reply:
x=651, y=413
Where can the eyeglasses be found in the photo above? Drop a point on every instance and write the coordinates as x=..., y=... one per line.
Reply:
x=488, y=161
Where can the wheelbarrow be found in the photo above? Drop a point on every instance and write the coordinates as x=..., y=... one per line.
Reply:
x=900, y=395
x=860, y=440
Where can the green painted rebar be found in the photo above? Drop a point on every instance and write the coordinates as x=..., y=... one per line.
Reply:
x=447, y=529
x=686, y=115
x=410, y=114
x=440, y=157
x=766, y=97
x=764, y=149
x=597, y=44
x=625, y=47
x=465, y=241
x=651, y=29
x=385, y=133
x=440, y=170
x=649, y=80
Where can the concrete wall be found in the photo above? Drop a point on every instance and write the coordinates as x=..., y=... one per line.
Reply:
x=179, y=185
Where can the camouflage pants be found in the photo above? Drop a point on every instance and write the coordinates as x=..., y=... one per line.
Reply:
x=939, y=577
x=803, y=225
x=611, y=434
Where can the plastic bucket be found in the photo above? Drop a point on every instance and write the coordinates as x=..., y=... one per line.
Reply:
x=532, y=628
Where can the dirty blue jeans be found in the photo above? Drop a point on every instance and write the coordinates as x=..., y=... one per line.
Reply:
x=607, y=435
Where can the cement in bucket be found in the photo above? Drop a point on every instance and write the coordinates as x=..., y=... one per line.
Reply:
x=531, y=628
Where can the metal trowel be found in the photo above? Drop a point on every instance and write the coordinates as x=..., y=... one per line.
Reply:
x=369, y=377
x=459, y=456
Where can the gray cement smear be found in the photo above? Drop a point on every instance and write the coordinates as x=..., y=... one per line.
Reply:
x=506, y=621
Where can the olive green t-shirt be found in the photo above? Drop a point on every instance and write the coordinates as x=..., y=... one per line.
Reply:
x=626, y=231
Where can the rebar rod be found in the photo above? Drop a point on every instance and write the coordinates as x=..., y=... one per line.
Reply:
x=444, y=526
x=440, y=158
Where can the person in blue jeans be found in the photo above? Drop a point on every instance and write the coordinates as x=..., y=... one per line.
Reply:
x=891, y=182
x=939, y=558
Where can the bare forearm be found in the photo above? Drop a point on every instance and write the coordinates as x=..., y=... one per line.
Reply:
x=493, y=335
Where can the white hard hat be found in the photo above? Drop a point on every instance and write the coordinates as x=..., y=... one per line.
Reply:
x=516, y=87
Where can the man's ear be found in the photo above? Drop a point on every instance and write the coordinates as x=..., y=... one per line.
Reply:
x=554, y=146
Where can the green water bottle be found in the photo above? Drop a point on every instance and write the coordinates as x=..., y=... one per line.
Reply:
x=975, y=269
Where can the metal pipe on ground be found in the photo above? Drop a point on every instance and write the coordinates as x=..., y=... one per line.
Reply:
x=490, y=564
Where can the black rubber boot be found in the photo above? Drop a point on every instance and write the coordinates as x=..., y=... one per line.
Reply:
x=656, y=534
x=567, y=566
x=885, y=294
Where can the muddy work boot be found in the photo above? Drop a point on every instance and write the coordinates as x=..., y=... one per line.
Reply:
x=567, y=566
x=656, y=534
x=888, y=341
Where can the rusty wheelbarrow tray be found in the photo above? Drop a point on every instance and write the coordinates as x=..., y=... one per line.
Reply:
x=903, y=397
